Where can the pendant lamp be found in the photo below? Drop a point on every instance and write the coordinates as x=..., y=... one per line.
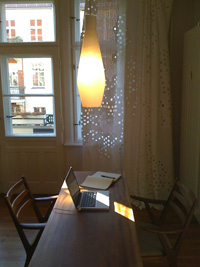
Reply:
x=91, y=76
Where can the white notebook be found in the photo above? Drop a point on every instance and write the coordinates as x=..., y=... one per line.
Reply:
x=101, y=180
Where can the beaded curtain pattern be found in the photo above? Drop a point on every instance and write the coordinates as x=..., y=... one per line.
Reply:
x=102, y=128
x=148, y=161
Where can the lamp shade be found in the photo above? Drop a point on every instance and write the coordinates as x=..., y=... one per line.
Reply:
x=91, y=76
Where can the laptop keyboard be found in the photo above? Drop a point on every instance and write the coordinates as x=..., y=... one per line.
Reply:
x=88, y=199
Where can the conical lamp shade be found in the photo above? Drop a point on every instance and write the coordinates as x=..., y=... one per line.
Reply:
x=91, y=76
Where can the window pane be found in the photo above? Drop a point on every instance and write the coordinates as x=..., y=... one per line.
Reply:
x=77, y=111
x=29, y=97
x=29, y=22
x=79, y=14
x=31, y=115
x=30, y=75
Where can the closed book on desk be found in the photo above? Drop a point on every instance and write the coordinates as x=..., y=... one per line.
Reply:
x=101, y=180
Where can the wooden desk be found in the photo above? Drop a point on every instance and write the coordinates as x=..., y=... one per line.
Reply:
x=97, y=238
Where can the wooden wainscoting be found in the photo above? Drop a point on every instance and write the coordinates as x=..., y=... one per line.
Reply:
x=40, y=160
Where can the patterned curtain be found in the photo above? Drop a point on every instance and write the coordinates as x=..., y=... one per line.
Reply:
x=148, y=155
x=102, y=128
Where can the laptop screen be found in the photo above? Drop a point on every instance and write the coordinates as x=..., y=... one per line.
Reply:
x=72, y=183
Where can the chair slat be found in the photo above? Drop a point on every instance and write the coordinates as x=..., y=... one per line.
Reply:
x=178, y=210
x=13, y=189
x=19, y=200
x=183, y=201
x=25, y=205
x=185, y=190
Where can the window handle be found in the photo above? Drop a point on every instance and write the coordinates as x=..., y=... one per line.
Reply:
x=10, y=116
x=77, y=124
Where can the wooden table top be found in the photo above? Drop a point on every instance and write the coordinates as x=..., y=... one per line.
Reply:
x=89, y=238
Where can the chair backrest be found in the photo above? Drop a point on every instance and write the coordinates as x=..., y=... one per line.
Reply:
x=18, y=198
x=183, y=201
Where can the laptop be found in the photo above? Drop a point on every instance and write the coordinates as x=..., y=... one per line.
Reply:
x=90, y=200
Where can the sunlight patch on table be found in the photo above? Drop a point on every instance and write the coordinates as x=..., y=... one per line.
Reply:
x=124, y=211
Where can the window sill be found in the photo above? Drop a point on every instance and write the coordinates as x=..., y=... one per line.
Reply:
x=80, y=144
x=30, y=136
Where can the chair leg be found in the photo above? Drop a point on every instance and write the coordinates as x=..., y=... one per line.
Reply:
x=171, y=253
x=30, y=250
x=172, y=258
x=28, y=259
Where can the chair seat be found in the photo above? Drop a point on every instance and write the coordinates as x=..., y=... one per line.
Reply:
x=150, y=244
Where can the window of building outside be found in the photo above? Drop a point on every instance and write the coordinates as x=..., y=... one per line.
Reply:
x=38, y=74
x=10, y=30
x=27, y=80
x=36, y=29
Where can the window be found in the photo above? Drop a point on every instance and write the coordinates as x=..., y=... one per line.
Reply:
x=28, y=79
x=31, y=69
x=10, y=30
x=28, y=111
x=36, y=29
x=40, y=110
x=28, y=22
x=38, y=75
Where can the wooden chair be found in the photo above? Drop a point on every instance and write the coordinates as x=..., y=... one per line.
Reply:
x=18, y=198
x=154, y=238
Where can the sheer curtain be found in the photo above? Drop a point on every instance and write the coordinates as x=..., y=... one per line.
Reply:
x=148, y=155
x=102, y=128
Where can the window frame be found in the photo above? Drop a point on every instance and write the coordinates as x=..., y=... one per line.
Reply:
x=28, y=49
x=6, y=95
x=76, y=48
